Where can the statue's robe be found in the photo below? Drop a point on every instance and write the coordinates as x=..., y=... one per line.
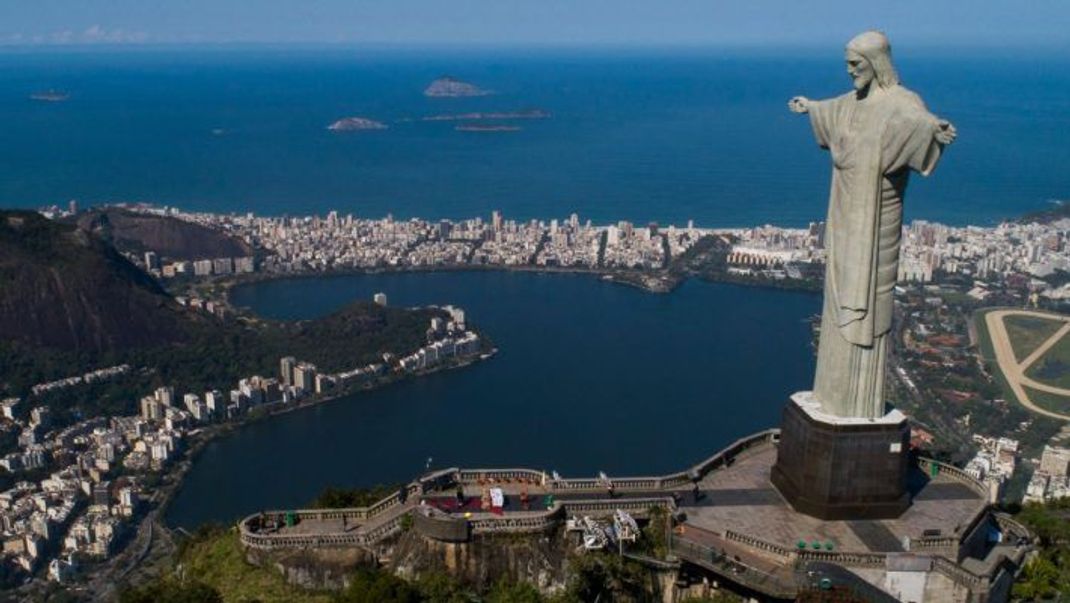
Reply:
x=875, y=143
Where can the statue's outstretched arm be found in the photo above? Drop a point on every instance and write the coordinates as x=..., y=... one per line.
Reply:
x=799, y=104
x=945, y=132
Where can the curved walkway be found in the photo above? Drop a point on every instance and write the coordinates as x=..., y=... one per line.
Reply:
x=1014, y=371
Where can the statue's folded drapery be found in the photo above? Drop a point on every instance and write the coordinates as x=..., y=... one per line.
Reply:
x=875, y=142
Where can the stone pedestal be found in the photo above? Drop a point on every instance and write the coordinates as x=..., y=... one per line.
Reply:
x=833, y=468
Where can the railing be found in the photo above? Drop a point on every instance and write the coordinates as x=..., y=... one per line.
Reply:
x=758, y=543
x=470, y=476
x=1011, y=526
x=724, y=457
x=844, y=558
x=958, y=573
x=733, y=569
x=635, y=506
x=926, y=464
x=516, y=522
x=359, y=517
x=941, y=543
x=726, y=454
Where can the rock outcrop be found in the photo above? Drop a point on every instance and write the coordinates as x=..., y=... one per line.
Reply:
x=169, y=237
x=64, y=288
x=449, y=87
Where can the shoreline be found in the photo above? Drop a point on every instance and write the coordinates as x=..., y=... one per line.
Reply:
x=632, y=279
x=154, y=518
x=213, y=432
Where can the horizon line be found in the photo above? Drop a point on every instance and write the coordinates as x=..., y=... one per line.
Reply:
x=548, y=46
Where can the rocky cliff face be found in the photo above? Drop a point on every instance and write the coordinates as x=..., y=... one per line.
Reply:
x=540, y=560
x=169, y=237
x=63, y=288
x=323, y=569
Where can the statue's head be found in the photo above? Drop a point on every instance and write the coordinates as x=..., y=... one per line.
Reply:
x=869, y=58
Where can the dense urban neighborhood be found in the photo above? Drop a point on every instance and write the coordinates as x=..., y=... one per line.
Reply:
x=78, y=490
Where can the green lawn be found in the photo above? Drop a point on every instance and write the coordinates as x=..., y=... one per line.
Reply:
x=1054, y=367
x=1052, y=402
x=1027, y=333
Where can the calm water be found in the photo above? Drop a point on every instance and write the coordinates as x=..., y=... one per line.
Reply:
x=591, y=376
x=639, y=136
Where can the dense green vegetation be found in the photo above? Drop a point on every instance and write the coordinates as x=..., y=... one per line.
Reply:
x=210, y=566
x=215, y=355
x=707, y=259
x=1047, y=576
x=341, y=498
x=70, y=303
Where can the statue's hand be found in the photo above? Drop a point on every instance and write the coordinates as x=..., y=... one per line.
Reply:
x=799, y=104
x=945, y=132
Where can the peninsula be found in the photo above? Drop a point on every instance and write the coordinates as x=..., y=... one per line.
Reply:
x=92, y=344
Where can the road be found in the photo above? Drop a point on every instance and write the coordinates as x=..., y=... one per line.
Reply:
x=1013, y=370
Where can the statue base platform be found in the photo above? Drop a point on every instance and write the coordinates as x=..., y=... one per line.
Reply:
x=835, y=468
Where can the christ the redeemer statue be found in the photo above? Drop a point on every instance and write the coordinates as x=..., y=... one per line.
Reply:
x=877, y=133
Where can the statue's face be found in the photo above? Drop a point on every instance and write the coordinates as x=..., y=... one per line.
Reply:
x=860, y=70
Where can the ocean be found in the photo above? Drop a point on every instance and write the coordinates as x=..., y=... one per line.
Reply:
x=662, y=136
x=591, y=375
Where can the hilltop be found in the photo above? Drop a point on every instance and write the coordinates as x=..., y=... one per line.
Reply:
x=70, y=303
x=170, y=237
x=66, y=289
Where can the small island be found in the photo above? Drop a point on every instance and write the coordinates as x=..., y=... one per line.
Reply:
x=486, y=128
x=50, y=96
x=449, y=87
x=349, y=124
x=528, y=114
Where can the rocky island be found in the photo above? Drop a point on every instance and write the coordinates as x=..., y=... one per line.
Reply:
x=528, y=114
x=449, y=87
x=348, y=124
x=487, y=128
x=50, y=96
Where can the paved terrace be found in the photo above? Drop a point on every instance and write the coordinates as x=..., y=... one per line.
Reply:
x=741, y=500
x=737, y=526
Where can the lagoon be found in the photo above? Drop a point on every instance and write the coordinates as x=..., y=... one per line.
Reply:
x=591, y=376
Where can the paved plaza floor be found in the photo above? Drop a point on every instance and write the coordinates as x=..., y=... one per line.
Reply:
x=740, y=498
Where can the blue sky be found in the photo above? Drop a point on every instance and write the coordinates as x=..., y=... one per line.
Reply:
x=534, y=22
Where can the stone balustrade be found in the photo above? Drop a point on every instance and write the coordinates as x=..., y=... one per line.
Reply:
x=926, y=464
x=958, y=573
x=638, y=507
x=621, y=484
x=737, y=570
x=758, y=543
x=517, y=522
x=845, y=559
x=472, y=476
